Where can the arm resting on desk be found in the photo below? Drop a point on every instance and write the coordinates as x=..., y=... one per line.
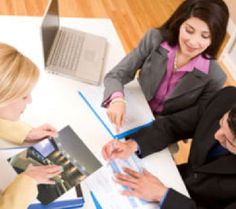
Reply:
x=166, y=130
x=175, y=200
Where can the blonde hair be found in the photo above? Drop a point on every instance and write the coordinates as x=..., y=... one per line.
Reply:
x=18, y=74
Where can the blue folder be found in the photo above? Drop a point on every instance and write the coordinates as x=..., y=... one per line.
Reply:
x=64, y=204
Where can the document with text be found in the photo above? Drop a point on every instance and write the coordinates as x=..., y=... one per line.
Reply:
x=108, y=192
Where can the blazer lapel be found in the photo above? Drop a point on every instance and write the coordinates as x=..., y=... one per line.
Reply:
x=158, y=68
x=191, y=81
x=203, y=141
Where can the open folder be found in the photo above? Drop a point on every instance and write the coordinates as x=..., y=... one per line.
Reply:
x=138, y=112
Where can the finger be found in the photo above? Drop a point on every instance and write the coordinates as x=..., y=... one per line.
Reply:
x=30, y=166
x=118, y=123
x=48, y=181
x=132, y=173
x=48, y=127
x=109, y=115
x=126, y=183
x=47, y=133
x=51, y=175
x=117, y=129
x=146, y=172
x=123, y=177
x=105, y=153
x=53, y=168
x=131, y=193
x=107, y=150
x=122, y=120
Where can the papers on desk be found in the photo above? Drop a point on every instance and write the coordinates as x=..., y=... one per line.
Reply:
x=107, y=192
x=138, y=112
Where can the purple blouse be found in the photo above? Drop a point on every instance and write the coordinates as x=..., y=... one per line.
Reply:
x=172, y=78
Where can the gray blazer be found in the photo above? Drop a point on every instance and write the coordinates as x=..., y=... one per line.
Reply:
x=152, y=59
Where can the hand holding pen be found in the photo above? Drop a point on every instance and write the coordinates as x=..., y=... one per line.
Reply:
x=119, y=149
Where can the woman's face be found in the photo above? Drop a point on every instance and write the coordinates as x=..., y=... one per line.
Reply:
x=194, y=37
x=13, y=110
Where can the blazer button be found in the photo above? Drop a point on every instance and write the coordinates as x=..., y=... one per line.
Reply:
x=195, y=175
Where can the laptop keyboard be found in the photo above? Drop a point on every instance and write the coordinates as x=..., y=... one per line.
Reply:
x=67, y=50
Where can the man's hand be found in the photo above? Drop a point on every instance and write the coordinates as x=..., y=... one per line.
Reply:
x=119, y=149
x=40, y=133
x=142, y=185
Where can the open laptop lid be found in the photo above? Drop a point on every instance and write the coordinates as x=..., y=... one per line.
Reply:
x=49, y=27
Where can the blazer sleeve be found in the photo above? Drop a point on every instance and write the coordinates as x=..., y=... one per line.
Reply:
x=14, y=131
x=126, y=69
x=19, y=194
x=167, y=130
x=175, y=200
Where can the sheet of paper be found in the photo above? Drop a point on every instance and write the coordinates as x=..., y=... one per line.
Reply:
x=138, y=112
x=107, y=192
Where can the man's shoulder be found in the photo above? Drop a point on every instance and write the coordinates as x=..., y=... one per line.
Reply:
x=227, y=92
x=223, y=99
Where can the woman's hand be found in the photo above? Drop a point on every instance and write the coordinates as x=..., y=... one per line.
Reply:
x=142, y=185
x=116, y=112
x=43, y=174
x=40, y=133
x=119, y=149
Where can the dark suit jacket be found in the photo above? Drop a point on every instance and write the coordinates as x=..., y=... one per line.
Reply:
x=211, y=183
x=152, y=59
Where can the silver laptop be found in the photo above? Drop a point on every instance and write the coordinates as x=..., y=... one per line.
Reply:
x=69, y=52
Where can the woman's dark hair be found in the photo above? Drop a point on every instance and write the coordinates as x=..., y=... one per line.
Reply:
x=232, y=119
x=214, y=13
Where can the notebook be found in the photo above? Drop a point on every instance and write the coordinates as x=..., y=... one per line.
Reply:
x=71, y=53
x=66, y=150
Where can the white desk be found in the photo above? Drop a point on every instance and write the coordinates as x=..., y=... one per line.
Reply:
x=55, y=99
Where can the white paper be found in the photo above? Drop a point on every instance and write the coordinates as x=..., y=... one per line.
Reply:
x=107, y=192
x=138, y=112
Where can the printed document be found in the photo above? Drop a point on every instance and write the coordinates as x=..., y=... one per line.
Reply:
x=107, y=192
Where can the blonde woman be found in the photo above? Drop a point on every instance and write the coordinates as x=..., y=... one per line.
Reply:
x=18, y=76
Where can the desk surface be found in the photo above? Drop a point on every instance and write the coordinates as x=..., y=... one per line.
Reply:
x=55, y=98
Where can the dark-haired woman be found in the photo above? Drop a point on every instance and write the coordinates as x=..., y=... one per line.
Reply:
x=176, y=61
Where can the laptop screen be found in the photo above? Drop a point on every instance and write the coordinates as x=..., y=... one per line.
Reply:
x=50, y=25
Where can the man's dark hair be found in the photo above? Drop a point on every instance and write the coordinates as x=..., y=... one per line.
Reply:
x=214, y=13
x=232, y=119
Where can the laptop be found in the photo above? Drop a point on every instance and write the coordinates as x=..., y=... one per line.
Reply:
x=72, y=53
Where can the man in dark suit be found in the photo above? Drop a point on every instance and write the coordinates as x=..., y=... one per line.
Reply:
x=209, y=175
